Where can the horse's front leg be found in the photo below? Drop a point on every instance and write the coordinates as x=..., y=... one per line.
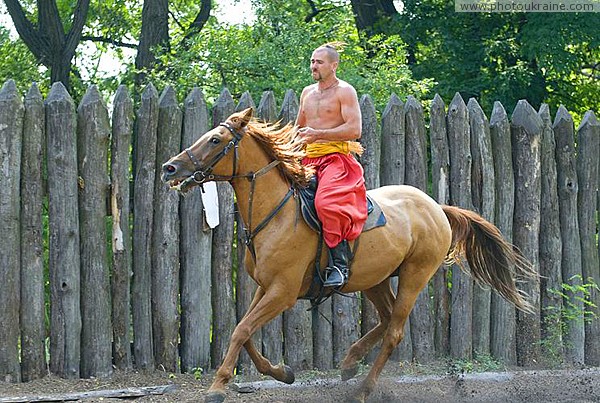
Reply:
x=282, y=373
x=268, y=307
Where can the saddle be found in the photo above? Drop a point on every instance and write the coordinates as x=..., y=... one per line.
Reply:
x=317, y=294
x=306, y=196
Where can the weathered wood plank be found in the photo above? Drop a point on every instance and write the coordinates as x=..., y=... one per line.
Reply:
x=93, y=132
x=503, y=315
x=165, y=240
x=245, y=287
x=482, y=191
x=289, y=108
x=63, y=227
x=196, y=252
x=440, y=172
x=371, y=141
x=588, y=150
x=392, y=143
x=550, y=244
x=95, y=394
x=11, y=144
x=370, y=161
x=568, y=187
x=297, y=321
x=267, y=108
x=143, y=207
x=122, y=131
x=33, y=311
x=346, y=327
x=322, y=331
x=461, y=341
x=526, y=130
x=222, y=252
x=422, y=326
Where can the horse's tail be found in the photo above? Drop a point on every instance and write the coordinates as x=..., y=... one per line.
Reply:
x=492, y=260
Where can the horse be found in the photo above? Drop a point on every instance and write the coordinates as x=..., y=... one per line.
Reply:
x=263, y=164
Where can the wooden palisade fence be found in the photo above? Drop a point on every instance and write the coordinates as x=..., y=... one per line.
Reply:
x=537, y=179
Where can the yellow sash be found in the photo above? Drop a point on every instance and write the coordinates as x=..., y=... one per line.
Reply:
x=314, y=150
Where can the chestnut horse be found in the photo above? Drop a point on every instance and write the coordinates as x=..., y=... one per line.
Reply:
x=262, y=163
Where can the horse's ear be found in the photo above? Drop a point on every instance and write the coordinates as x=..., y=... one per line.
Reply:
x=246, y=115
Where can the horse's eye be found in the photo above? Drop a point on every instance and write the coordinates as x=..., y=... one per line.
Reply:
x=215, y=140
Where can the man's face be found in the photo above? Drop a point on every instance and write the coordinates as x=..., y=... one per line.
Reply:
x=321, y=66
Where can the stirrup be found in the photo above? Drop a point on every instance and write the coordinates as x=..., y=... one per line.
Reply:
x=340, y=280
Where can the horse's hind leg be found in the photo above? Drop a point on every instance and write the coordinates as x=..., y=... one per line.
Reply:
x=411, y=280
x=383, y=298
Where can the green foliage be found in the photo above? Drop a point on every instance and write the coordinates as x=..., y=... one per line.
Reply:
x=541, y=57
x=17, y=63
x=198, y=371
x=273, y=54
x=480, y=363
x=427, y=48
x=576, y=307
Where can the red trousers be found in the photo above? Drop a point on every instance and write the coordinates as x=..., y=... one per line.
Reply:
x=341, y=199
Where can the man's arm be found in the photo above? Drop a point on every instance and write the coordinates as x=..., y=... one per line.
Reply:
x=301, y=118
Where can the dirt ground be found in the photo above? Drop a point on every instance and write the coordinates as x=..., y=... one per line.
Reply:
x=397, y=384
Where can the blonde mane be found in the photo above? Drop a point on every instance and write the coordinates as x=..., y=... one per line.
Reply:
x=278, y=143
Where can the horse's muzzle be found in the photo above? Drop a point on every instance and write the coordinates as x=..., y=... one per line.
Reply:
x=169, y=171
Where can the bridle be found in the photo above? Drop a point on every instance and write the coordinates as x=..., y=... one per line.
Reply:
x=202, y=175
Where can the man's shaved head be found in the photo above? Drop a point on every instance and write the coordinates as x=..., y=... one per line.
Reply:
x=331, y=51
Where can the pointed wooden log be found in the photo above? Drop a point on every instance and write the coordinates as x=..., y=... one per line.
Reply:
x=568, y=188
x=145, y=142
x=223, y=301
x=503, y=314
x=63, y=226
x=11, y=145
x=122, y=133
x=33, y=313
x=483, y=193
x=392, y=143
x=588, y=150
x=196, y=253
x=416, y=174
x=461, y=344
x=526, y=131
x=93, y=132
x=550, y=245
x=267, y=109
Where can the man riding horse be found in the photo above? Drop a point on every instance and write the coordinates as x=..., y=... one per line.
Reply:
x=330, y=120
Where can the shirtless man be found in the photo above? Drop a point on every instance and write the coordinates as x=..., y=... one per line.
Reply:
x=330, y=121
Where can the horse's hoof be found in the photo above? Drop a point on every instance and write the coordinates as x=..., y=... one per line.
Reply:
x=349, y=373
x=214, y=397
x=288, y=375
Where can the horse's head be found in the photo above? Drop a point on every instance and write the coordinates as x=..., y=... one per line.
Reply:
x=212, y=157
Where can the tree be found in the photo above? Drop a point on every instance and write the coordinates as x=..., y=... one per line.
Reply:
x=155, y=35
x=371, y=16
x=48, y=42
x=16, y=62
x=273, y=54
x=541, y=57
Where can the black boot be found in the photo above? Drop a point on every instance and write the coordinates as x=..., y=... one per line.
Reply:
x=338, y=269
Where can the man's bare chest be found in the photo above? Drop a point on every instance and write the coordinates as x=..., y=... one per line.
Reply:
x=322, y=106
